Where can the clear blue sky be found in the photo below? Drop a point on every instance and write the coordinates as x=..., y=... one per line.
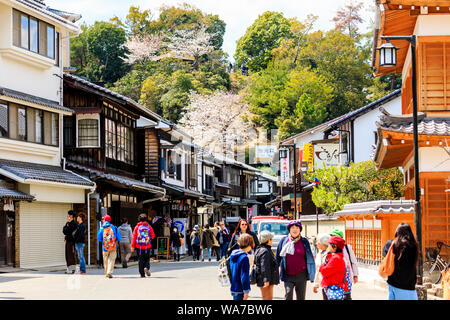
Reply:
x=237, y=14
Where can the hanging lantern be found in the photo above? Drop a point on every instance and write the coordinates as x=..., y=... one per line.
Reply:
x=388, y=55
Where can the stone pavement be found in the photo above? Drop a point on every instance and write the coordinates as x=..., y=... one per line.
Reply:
x=184, y=280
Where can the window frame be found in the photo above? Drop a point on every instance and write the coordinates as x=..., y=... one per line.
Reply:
x=80, y=117
x=39, y=21
x=27, y=109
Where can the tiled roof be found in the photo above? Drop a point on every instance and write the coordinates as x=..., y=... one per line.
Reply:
x=427, y=126
x=382, y=206
x=112, y=93
x=55, y=14
x=186, y=191
x=126, y=181
x=34, y=99
x=14, y=195
x=33, y=171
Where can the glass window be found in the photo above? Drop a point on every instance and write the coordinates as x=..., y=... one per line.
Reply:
x=55, y=129
x=110, y=139
x=68, y=131
x=277, y=228
x=24, y=31
x=39, y=120
x=50, y=42
x=3, y=120
x=57, y=48
x=16, y=28
x=34, y=35
x=21, y=123
x=88, y=133
x=43, y=38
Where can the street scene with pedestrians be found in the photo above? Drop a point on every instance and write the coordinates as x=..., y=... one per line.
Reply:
x=163, y=151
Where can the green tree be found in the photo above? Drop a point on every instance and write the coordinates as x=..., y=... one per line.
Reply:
x=255, y=47
x=360, y=182
x=337, y=57
x=98, y=52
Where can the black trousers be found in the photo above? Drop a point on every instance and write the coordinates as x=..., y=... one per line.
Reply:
x=295, y=283
x=196, y=248
x=216, y=250
x=144, y=260
x=70, y=254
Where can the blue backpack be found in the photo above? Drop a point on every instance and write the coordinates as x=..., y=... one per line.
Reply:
x=196, y=239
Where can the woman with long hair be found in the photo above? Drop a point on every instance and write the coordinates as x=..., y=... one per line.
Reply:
x=402, y=282
x=242, y=227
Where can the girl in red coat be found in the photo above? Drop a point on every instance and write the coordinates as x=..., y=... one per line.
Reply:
x=334, y=271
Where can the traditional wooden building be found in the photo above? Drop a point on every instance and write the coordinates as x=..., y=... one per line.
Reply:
x=101, y=143
x=429, y=21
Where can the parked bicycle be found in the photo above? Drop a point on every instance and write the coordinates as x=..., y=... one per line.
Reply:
x=434, y=264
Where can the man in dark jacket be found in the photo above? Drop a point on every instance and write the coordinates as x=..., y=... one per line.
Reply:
x=80, y=239
x=206, y=242
x=69, y=230
x=223, y=237
x=267, y=273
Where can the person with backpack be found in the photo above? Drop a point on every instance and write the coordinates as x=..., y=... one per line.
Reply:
x=195, y=240
x=109, y=236
x=206, y=242
x=80, y=239
x=125, y=242
x=402, y=282
x=141, y=241
x=267, y=273
x=240, y=268
x=175, y=242
x=296, y=261
x=334, y=270
x=69, y=231
x=350, y=259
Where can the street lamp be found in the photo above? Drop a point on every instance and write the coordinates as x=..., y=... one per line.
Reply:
x=389, y=57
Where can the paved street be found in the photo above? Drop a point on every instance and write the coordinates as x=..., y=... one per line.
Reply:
x=183, y=280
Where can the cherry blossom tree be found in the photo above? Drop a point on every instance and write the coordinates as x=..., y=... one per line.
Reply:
x=218, y=121
x=189, y=43
x=143, y=47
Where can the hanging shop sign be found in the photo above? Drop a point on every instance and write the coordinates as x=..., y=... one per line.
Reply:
x=308, y=156
x=285, y=176
x=326, y=155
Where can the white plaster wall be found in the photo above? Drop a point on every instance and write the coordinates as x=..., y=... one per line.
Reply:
x=26, y=71
x=434, y=159
x=365, y=126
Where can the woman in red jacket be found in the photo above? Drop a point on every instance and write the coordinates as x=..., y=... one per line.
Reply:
x=334, y=271
x=142, y=241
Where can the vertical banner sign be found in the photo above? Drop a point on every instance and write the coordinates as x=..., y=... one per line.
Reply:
x=284, y=166
x=181, y=224
x=308, y=155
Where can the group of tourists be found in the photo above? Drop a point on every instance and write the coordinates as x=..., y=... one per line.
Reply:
x=208, y=242
x=333, y=270
x=110, y=237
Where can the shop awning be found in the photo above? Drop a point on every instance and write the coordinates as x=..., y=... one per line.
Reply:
x=14, y=195
x=291, y=196
x=232, y=202
x=119, y=180
x=187, y=192
x=26, y=172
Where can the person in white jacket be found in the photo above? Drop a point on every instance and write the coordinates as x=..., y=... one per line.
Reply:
x=350, y=258
x=321, y=245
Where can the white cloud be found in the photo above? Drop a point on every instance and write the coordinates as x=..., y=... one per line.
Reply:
x=237, y=14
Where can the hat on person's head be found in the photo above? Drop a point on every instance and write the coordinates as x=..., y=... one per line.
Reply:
x=196, y=227
x=337, y=232
x=265, y=236
x=338, y=241
x=295, y=223
x=107, y=218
